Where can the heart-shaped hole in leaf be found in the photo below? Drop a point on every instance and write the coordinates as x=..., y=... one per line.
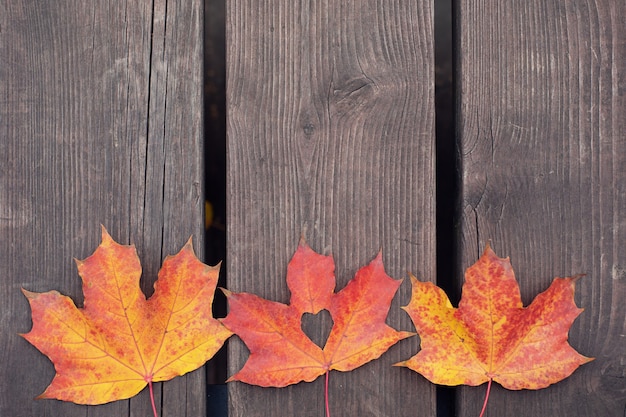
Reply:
x=317, y=327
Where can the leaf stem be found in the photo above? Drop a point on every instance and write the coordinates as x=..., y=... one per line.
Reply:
x=482, y=412
x=154, y=410
x=326, y=394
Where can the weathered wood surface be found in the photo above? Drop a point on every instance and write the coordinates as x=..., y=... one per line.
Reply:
x=101, y=122
x=542, y=130
x=331, y=135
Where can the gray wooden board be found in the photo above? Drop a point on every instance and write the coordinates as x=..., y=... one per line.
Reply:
x=331, y=135
x=542, y=130
x=101, y=123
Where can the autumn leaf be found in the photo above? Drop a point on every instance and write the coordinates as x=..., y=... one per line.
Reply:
x=280, y=352
x=119, y=341
x=491, y=336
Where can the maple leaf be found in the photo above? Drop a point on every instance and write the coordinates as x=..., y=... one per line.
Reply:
x=491, y=336
x=280, y=352
x=119, y=341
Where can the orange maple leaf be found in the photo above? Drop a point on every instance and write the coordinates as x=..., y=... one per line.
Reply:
x=491, y=336
x=280, y=352
x=119, y=342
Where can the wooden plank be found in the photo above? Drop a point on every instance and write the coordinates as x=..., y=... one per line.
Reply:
x=331, y=134
x=101, y=123
x=542, y=95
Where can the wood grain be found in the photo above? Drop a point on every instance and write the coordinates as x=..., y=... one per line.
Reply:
x=542, y=96
x=331, y=136
x=101, y=110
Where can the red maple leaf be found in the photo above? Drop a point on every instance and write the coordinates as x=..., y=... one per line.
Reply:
x=492, y=336
x=280, y=352
x=119, y=342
